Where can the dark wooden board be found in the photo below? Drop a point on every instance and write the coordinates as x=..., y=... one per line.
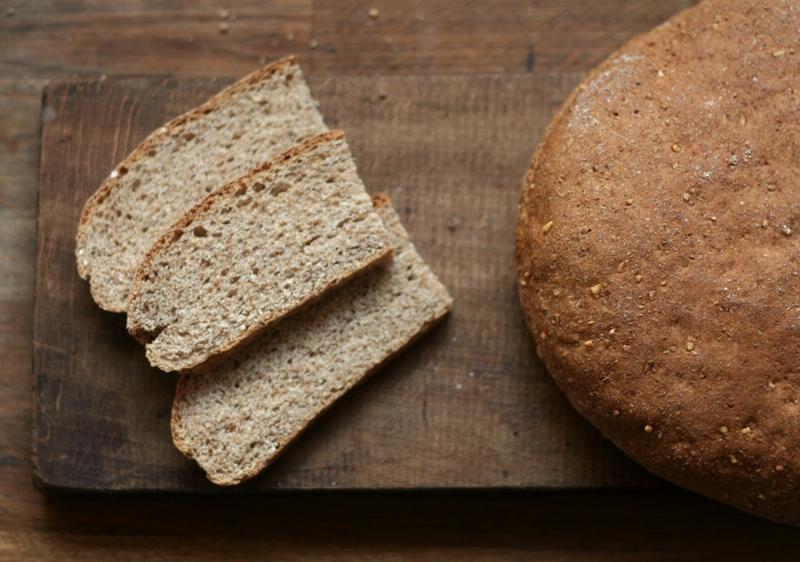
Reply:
x=468, y=406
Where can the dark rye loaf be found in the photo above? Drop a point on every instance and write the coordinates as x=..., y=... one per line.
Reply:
x=658, y=248
x=258, y=117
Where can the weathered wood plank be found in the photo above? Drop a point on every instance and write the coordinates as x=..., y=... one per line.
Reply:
x=486, y=36
x=183, y=37
x=20, y=106
x=51, y=39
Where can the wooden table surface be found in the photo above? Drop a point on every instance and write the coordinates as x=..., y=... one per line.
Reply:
x=42, y=40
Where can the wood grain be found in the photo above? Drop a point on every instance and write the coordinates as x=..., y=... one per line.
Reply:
x=469, y=406
x=84, y=37
x=487, y=36
x=183, y=37
x=20, y=106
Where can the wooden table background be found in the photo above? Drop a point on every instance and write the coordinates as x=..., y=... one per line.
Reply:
x=48, y=39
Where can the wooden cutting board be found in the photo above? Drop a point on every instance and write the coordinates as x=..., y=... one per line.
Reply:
x=468, y=406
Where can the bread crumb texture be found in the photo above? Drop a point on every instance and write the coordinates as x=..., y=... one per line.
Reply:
x=259, y=117
x=668, y=186
x=255, y=251
x=235, y=419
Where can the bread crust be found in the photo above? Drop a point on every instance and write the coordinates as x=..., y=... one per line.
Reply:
x=170, y=129
x=656, y=258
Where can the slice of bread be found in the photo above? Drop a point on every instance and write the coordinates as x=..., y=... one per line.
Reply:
x=236, y=420
x=260, y=116
x=253, y=252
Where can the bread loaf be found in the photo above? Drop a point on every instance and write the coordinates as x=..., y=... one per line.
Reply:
x=658, y=249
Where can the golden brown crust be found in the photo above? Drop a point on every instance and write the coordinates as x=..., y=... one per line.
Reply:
x=657, y=252
x=152, y=141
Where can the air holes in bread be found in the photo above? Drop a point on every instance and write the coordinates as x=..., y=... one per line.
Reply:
x=200, y=231
x=280, y=187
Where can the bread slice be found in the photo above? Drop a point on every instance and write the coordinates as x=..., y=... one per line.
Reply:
x=236, y=420
x=256, y=250
x=260, y=116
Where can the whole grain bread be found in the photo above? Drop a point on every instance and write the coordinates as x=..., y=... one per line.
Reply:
x=236, y=420
x=253, y=252
x=658, y=252
x=260, y=116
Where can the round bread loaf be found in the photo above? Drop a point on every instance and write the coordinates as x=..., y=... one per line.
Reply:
x=658, y=252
